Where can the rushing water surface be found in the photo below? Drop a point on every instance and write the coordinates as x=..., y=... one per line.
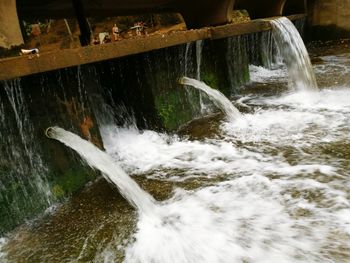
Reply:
x=272, y=186
x=98, y=159
x=291, y=47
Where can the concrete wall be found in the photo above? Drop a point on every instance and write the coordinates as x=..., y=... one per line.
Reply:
x=330, y=18
x=36, y=172
x=261, y=9
x=197, y=13
x=10, y=32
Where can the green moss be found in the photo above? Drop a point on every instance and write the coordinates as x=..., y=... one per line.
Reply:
x=210, y=78
x=166, y=110
x=19, y=200
x=72, y=180
x=173, y=109
x=57, y=191
x=245, y=73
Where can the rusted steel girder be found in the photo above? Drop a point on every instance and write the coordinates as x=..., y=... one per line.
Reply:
x=271, y=8
x=295, y=7
x=197, y=13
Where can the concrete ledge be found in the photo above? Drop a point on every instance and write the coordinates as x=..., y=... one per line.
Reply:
x=240, y=29
x=22, y=66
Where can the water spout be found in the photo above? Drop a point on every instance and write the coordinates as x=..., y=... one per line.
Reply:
x=181, y=81
x=215, y=96
x=292, y=48
x=112, y=172
x=49, y=132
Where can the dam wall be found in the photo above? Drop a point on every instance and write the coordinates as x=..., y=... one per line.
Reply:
x=140, y=89
x=127, y=82
x=34, y=172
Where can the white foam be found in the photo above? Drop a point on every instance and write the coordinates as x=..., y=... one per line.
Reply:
x=240, y=220
x=336, y=99
x=301, y=117
x=276, y=126
x=336, y=59
x=261, y=74
x=331, y=68
x=158, y=155
x=302, y=215
x=3, y=242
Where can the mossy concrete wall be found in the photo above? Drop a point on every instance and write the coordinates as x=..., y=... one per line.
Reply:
x=147, y=85
x=329, y=18
x=225, y=64
x=36, y=172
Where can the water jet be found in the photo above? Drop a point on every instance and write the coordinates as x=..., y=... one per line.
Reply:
x=112, y=172
x=215, y=96
x=291, y=47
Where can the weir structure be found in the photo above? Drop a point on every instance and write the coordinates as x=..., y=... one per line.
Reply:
x=67, y=87
x=22, y=66
x=197, y=14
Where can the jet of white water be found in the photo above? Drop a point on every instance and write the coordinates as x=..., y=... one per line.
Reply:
x=294, y=53
x=98, y=159
x=215, y=96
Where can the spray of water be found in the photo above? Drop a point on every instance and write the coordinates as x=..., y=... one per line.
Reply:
x=268, y=209
x=215, y=96
x=294, y=53
x=273, y=188
x=275, y=202
x=110, y=170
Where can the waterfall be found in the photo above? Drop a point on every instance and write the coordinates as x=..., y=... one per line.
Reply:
x=215, y=96
x=187, y=51
x=199, y=48
x=24, y=188
x=237, y=62
x=294, y=53
x=271, y=57
x=110, y=170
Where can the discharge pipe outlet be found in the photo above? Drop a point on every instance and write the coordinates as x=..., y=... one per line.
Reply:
x=181, y=81
x=49, y=132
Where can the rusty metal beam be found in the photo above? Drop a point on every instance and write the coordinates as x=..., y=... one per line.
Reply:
x=197, y=13
x=261, y=9
x=295, y=7
x=22, y=66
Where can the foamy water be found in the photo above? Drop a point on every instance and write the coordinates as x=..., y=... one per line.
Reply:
x=267, y=206
x=266, y=211
x=158, y=155
x=2, y=253
x=271, y=187
x=250, y=219
x=261, y=74
x=285, y=197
